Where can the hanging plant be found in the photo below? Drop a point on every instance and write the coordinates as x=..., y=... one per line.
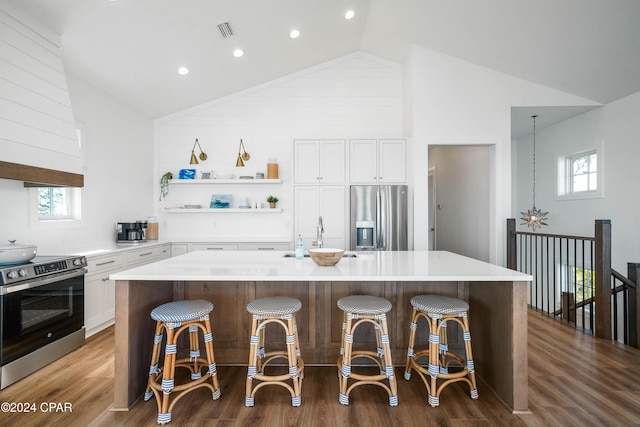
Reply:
x=164, y=184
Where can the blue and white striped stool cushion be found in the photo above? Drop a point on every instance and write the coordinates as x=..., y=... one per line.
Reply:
x=181, y=311
x=439, y=304
x=274, y=306
x=364, y=304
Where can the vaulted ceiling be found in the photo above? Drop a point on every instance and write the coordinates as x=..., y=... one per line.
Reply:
x=133, y=48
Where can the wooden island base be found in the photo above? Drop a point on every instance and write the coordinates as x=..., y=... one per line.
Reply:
x=498, y=323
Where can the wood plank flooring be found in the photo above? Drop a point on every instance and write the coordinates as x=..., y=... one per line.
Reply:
x=574, y=380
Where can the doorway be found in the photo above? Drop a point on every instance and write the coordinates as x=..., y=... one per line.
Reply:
x=432, y=208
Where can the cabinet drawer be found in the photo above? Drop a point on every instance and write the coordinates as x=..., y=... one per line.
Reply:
x=100, y=263
x=265, y=246
x=214, y=247
x=147, y=255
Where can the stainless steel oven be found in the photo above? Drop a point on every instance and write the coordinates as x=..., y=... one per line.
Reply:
x=41, y=314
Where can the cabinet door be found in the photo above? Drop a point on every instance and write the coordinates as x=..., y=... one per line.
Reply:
x=363, y=161
x=179, y=249
x=307, y=165
x=327, y=201
x=332, y=162
x=306, y=212
x=333, y=208
x=99, y=301
x=392, y=160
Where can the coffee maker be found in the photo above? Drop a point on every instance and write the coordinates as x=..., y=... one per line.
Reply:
x=131, y=232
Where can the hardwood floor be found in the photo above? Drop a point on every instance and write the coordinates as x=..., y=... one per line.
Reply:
x=588, y=382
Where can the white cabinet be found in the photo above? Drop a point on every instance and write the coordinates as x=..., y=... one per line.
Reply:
x=329, y=202
x=267, y=246
x=373, y=161
x=213, y=247
x=319, y=161
x=147, y=255
x=100, y=292
x=179, y=249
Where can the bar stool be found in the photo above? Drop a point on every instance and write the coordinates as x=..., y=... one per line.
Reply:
x=279, y=311
x=360, y=310
x=175, y=318
x=437, y=310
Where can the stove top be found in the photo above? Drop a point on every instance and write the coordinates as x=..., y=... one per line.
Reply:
x=39, y=267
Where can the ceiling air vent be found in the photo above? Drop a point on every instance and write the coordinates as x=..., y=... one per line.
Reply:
x=225, y=29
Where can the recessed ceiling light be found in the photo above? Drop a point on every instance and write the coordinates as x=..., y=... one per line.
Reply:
x=349, y=14
x=182, y=70
x=294, y=34
x=238, y=53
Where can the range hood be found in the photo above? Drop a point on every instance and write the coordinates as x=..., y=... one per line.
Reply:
x=40, y=177
x=39, y=142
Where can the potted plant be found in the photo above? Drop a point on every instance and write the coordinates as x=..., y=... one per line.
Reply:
x=272, y=201
x=164, y=184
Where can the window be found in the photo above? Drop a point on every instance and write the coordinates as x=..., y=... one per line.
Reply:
x=55, y=203
x=55, y=207
x=583, y=170
x=579, y=175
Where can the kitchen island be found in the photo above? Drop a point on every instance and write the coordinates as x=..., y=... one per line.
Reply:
x=229, y=279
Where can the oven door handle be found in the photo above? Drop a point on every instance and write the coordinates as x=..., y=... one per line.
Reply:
x=41, y=281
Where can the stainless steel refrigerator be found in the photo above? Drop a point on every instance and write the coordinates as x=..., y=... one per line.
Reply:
x=379, y=217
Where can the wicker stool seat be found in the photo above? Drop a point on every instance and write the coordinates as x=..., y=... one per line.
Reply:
x=360, y=310
x=437, y=310
x=279, y=311
x=174, y=318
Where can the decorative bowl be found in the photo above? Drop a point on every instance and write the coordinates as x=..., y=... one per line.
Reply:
x=326, y=256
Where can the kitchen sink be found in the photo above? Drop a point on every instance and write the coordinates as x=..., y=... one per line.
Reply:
x=306, y=255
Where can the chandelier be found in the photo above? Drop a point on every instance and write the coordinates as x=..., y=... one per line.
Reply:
x=534, y=218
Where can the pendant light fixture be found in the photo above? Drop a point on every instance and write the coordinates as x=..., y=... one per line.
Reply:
x=194, y=159
x=242, y=155
x=534, y=218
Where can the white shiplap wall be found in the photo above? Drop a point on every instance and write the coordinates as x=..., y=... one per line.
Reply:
x=37, y=126
x=351, y=97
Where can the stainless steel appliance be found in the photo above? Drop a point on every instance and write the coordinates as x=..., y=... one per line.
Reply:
x=131, y=232
x=379, y=217
x=41, y=313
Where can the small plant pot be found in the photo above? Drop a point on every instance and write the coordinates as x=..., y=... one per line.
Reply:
x=272, y=205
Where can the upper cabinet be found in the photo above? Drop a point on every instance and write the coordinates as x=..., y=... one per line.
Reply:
x=320, y=161
x=374, y=161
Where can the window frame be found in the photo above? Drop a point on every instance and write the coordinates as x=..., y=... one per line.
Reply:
x=564, y=172
x=74, y=219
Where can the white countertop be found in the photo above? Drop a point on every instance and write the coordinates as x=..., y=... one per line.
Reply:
x=272, y=266
x=117, y=247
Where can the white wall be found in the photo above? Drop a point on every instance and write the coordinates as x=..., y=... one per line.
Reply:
x=118, y=171
x=617, y=125
x=455, y=102
x=351, y=97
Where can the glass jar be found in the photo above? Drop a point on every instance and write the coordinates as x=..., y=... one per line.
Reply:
x=272, y=168
x=152, y=228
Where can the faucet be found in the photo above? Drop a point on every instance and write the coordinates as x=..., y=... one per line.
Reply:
x=319, y=231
